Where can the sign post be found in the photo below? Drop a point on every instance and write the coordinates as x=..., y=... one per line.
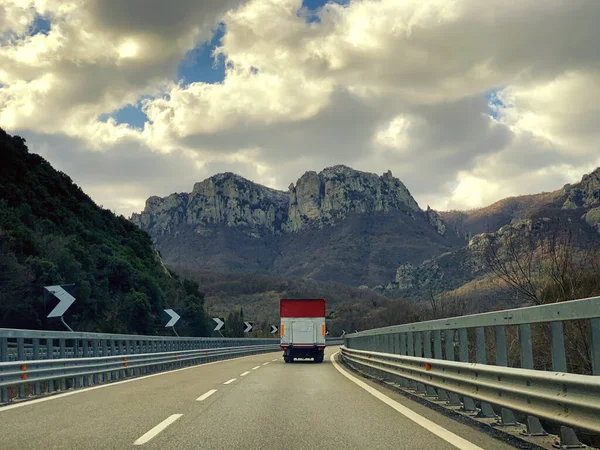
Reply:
x=220, y=322
x=65, y=300
x=172, y=317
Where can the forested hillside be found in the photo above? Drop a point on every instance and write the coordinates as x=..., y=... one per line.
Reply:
x=51, y=232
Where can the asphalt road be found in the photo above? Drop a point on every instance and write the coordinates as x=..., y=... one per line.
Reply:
x=257, y=402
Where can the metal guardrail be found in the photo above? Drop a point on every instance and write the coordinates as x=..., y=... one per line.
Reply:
x=405, y=349
x=335, y=341
x=59, y=352
x=22, y=345
x=108, y=368
x=572, y=399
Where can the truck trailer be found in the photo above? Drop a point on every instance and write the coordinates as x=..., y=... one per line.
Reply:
x=302, y=328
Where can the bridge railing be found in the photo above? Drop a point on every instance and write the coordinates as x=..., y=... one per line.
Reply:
x=57, y=360
x=464, y=360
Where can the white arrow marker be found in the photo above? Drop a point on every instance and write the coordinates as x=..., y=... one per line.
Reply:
x=220, y=323
x=174, y=318
x=248, y=327
x=65, y=298
x=273, y=329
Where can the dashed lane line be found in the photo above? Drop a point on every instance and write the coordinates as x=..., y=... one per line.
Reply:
x=157, y=429
x=205, y=396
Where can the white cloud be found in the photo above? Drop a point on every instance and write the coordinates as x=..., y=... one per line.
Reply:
x=374, y=84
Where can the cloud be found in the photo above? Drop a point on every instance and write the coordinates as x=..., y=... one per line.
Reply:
x=467, y=102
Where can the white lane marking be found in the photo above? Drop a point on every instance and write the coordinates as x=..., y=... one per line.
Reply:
x=157, y=429
x=275, y=360
x=205, y=396
x=244, y=374
x=433, y=427
x=257, y=367
x=265, y=364
x=102, y=386
x=230, y=381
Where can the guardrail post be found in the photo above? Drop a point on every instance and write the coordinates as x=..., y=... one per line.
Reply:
x=410, y=349
x=3, y=358
x=463, y=356
x=501, y=354
x=419, y=354
x=97, y=378
x=418, y=345
x=534, y=426
x=86, y=348
x=410, y=346
x=463, y=345
x=480, y=350
x=429, y=390
x=62, y=350
x=526, y=346
x=21, y=357
x=595, y=326
x=403, y=350
x=595, y=350
x=451, y=356
x=36, y=356
x=557, y=339
x=507, y=417
x=50, y=355
x=437, y=354
x=481, y=358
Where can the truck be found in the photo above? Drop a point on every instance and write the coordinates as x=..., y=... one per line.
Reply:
x=302, y=328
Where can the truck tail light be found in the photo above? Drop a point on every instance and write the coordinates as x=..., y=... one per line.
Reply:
x=323, y=329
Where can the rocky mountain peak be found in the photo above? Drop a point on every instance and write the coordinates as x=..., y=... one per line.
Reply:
x=316, y=200
x=321, y=199
x=585, y=194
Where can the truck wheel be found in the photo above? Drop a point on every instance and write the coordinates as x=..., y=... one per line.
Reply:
x=291, y=359
x=318, y=359
x=286, y=359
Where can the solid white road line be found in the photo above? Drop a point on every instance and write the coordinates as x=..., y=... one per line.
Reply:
x=230, y=381
x=205, y=396
x=244, y=374
x=275, y=360
x=257, y=367
x=265, y=364
x=157, y=429
x=433, y=427
x=102, y=386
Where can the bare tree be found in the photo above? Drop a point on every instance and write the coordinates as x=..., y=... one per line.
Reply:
x=512, y=258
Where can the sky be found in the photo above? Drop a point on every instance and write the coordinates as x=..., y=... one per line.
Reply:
x=466, y=101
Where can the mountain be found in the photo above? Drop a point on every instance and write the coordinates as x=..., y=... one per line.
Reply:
x=568, y=217
x=340, y=225
x=584, y=195
x=52, y=233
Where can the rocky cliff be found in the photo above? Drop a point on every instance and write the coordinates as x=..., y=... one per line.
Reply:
x=317, y=200
x=322, y=199
x=338, y=225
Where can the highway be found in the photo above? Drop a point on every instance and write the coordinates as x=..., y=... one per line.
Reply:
x=256, y=402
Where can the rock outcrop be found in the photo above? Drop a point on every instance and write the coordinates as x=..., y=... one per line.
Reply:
x=317, y=200
x=592, y=218
x=321, y=199
x=585, y=194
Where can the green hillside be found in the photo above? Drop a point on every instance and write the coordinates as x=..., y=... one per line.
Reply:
x=51, y=232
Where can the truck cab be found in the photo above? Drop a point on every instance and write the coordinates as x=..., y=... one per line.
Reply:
x=303, y=329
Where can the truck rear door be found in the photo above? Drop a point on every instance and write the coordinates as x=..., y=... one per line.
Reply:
x=303, y=332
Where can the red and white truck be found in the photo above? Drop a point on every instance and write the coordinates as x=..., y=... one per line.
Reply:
x=302, y=328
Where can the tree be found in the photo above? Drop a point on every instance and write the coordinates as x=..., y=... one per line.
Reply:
x=234, y=325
